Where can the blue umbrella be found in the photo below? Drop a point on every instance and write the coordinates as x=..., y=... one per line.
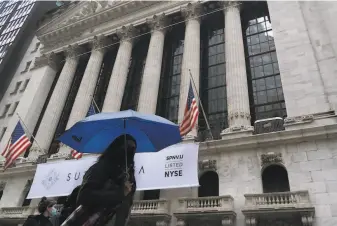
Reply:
x=95, y=133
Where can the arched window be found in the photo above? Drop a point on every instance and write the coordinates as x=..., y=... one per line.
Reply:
x=275, y=179
x=209, y=184
x=151, y=195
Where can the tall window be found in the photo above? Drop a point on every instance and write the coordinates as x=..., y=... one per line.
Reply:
x=266, y=94
x=168, y=101
x=104, y=78
x=23, y=199
x=213, y=74
x=69, y=103
x=136, y=70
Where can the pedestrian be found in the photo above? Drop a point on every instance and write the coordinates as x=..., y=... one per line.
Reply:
x=69, y=205
x=46, y=210
x=106, y=185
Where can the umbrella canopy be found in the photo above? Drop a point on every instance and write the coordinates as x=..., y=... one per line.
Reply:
x=95, y=133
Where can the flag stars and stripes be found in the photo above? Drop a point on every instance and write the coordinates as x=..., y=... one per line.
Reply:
x=16, y=146
x=191, y=113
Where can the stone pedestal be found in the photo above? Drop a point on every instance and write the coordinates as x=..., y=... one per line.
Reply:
x=236, y=77
x=56, y=103
x=191, y=58
x=115, y=92
x=151, y=77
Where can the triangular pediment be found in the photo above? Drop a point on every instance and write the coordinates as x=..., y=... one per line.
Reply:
x=75, y=12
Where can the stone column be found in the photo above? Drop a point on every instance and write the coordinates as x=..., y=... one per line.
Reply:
x=151, y=77
x=236, y=77
x=53, y=112
x=86, y=90
x=114, y=95
x=88, y=84
x=191, y=57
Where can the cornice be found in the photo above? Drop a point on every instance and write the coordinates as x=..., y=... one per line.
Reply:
x=106, y=27
x=268, y=139
x=252, y=142
x=89, y=15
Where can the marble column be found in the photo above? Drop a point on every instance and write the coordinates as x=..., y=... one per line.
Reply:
x=151, y=77
x=87, y=87
x=114, y=95
x=51, y=117
x=88, y=84
x=191, y=57
x=236, y=77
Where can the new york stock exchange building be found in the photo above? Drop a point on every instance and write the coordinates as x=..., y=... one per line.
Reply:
x=266, y=74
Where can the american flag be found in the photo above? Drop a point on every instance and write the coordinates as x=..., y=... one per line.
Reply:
x=16, y=146
x=191, y=113
x=75, y=154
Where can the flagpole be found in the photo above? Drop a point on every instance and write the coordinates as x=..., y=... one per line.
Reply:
x=95, y=104
x=93, y=100
x=201, y=106
x=29, y=132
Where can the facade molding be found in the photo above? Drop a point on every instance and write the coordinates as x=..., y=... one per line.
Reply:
x=268, y=139
x=82, y=31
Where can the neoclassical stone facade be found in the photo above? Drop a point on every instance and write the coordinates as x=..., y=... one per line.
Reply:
x=253, y=64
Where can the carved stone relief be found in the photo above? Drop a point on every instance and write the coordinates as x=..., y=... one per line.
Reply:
x=208, y=165
x=271, y=158
x=73, y=51
x=100, y=42
x=51, y=60
x=127, y=32
x=192, y=11
x=299, y=119
x=158, y=22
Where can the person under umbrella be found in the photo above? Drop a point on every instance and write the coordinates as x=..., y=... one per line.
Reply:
x=108, y=186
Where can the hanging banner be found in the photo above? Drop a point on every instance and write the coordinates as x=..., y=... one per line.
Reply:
x=172, y=167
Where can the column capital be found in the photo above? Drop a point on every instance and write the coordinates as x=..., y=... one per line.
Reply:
x=73, y=51
x=100, y=43
x=192, y=11
x=158, y=22
x=50, y=59
x=127, y=33
x=230, y=4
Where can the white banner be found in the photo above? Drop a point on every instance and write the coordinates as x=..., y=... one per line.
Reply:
x=172, y=167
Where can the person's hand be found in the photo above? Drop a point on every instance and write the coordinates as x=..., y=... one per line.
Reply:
x=127, y=187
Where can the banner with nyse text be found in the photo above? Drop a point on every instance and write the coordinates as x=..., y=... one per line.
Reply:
x=172, y=167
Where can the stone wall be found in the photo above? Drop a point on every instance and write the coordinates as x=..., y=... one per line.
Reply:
x=311, y=166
